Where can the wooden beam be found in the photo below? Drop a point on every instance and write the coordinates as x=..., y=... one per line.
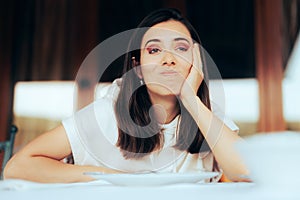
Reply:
x=86, y=39
x=269, y=63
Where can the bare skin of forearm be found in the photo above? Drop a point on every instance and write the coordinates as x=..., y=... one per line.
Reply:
x=47, y=170
x=220, y=139
x=40, y=161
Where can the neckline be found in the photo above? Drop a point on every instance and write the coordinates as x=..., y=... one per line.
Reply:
x=172, y=124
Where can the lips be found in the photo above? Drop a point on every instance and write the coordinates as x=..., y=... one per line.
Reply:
x=169, y=73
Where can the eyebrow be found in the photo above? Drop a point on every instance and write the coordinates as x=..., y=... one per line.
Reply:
x=152, y=40
x=176, y=39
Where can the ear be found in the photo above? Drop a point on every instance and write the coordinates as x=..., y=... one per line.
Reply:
x=137, y=68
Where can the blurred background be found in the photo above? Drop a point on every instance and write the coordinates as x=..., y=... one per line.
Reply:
x=45, y=41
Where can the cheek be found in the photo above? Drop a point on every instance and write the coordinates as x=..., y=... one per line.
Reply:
x=145, y=57
x=185, y=68
x=148, y=71
x=186, y=61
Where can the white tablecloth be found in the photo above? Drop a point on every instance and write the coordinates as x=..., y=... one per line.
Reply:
x=19, y=190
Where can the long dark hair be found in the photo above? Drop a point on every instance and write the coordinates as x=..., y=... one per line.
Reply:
x=138, y=136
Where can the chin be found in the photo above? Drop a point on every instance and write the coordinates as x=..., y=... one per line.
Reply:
x=163, y=91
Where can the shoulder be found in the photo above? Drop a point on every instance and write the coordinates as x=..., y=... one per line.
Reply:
x=98, y=115
x=109, y=90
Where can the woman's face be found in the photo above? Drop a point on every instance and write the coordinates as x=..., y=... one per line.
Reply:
x=166, y=57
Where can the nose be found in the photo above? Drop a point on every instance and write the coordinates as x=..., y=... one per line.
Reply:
x=168, y=59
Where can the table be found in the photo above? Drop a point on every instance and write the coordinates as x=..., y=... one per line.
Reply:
x=17, y=190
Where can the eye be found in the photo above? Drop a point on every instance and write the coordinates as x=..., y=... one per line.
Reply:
x=153, y=50
x=182, y=47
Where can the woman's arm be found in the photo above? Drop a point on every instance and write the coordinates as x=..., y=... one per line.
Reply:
x=219, y=137
x=40, y=161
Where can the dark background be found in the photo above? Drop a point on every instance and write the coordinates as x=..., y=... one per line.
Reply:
x=49, y=39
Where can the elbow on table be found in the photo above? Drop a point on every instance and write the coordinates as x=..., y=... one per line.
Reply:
x=235, y=178
x=13, y=169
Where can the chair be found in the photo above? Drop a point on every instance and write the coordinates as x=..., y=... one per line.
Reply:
x=7, y=147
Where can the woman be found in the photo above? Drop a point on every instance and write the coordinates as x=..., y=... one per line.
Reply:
x=156, y=118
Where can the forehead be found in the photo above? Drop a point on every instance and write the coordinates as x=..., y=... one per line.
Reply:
x=167, y=30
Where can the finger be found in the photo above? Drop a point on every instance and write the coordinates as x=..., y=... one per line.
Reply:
x=197, y=62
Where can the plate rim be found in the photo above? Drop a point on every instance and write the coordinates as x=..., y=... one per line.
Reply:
x=113, y=178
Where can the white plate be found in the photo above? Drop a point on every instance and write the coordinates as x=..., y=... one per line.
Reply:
x=152, y=178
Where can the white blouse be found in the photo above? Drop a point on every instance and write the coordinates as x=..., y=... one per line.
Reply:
x=93, y=133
